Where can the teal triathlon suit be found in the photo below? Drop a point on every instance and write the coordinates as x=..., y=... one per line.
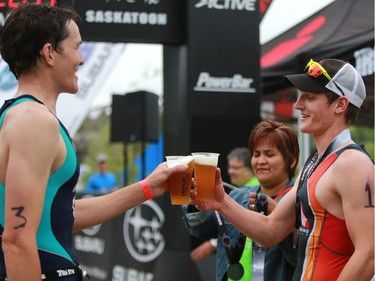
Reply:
x=54, y=236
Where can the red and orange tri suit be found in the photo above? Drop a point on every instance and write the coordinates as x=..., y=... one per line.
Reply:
x=324, y=243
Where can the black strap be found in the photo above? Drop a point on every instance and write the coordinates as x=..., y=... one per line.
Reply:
x=8, y=103
x=359, y=147
x=233, y=252
x=309, y=168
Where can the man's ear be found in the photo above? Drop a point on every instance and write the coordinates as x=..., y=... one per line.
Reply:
x=47, y=54
x=342, y=104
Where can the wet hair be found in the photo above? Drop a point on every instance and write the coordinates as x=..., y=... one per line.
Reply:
x=243, y=154
x=280, y=135
x=27, y=29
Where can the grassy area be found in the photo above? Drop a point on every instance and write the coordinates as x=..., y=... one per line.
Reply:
x=364, y=135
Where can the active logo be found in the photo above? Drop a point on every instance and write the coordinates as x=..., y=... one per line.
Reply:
x=237, y=83
x=247, y=5
x=142, y=231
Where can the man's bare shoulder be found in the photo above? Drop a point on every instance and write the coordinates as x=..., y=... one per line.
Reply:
x=352, y=168
x=29, y=115
x=29, y=125
x=354, y=159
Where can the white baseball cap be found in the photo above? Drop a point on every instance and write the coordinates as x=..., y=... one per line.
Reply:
x=335, y=75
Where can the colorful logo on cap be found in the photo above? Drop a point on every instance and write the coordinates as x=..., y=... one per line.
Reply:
x=315, y=69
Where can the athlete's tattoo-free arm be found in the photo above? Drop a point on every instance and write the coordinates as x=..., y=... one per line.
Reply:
x=31, y=144
x=91, y=211
x=267, y=230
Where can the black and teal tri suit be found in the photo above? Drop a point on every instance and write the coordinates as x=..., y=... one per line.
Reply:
x=54, y=235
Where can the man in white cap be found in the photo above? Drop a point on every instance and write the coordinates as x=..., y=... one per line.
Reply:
x=331, y=204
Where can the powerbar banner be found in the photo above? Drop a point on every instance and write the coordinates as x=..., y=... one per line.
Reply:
x=224, y=51
x=138, y=21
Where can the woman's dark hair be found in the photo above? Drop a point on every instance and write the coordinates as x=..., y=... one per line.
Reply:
x=27, y=29
x=283, y=137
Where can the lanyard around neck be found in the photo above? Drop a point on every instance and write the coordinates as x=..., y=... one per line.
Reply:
x=314, y=160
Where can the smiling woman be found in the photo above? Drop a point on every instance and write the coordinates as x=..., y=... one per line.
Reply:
x=274, y=149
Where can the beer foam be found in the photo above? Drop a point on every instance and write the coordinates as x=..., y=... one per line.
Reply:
x=208, y=160
x=179, y=160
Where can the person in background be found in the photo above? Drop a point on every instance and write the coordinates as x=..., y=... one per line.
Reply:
x=102, y=181
x=239, y=168
x=332, y=203
x=275, y=151
x=39, y=167
x=240, y=174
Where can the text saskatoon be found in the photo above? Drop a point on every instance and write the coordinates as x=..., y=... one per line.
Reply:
x=123, y=17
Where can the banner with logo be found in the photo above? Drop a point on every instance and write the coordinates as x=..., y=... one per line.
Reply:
x=138, y=21
x=128, y=247
x=73, y=108
x=100, y=58
x=224, y=51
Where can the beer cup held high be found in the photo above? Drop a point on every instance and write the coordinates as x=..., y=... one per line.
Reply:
x=179, y=184
x=205, y=164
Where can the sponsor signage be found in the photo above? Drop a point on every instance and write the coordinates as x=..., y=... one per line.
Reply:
x=224, y=51
x=125, y=248
x=99, y=59
x=138, y=21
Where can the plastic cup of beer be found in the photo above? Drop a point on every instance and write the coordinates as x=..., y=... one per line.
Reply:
x=179, y=184
x=205, y=164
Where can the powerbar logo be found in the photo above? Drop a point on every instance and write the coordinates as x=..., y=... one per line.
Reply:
x=248, y=5
x=237, y=83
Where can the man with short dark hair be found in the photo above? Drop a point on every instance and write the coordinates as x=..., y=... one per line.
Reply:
x=39, y=168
